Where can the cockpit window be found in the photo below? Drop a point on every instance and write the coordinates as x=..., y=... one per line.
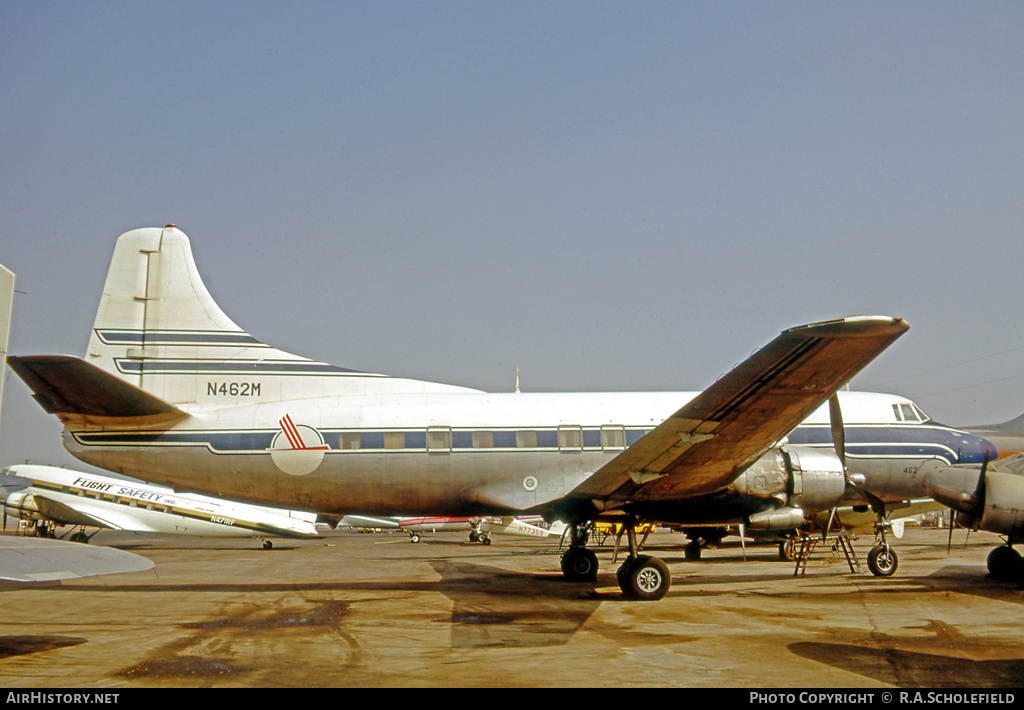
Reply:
x=909, y=413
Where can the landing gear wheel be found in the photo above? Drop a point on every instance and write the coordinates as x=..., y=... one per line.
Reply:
x=414, y=538
x=692, y=550
x=579, y=564
x=80, y=537
x=1004, y=563
x=644, y=578
x=485, y=539
x=883, y=561
x=786, y=550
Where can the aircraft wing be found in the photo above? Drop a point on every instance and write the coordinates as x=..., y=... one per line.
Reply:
x=24, y=559
x=84, y=514
x=709, y=442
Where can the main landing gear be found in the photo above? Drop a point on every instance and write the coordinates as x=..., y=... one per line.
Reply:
x=1004, y=562
x=641, y=577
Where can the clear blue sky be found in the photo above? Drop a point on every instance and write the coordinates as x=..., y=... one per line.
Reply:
x=609, y=196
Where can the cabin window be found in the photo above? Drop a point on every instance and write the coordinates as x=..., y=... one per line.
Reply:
x=526, y=439
x=483, y=440
x=613, y=437
x=439, y=440
x=394, y=440
x=570, y=438
x=350, y=440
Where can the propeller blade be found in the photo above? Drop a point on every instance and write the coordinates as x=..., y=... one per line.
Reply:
x=979, y=494
x=835, y=415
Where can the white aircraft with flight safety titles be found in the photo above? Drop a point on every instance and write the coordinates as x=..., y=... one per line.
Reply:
x=59, y=497
x=172, y=391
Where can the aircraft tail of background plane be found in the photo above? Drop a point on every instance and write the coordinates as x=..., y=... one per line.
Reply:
x=6, y=308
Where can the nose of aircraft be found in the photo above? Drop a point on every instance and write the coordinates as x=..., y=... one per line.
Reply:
x=972, y=448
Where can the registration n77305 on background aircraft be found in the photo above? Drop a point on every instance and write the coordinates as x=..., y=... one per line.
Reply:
x=66, y=497
x=172, y=391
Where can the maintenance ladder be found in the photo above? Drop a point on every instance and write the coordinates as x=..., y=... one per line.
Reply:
x=809, y=542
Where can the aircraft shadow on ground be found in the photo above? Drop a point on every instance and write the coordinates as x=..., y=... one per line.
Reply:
x=22, y=645
x=913, y=669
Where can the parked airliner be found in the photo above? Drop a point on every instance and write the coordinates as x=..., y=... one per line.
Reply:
x=480, y=528
x=172, y=391
x=59, y=496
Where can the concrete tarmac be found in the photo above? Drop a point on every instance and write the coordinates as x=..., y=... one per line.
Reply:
x=357, y=609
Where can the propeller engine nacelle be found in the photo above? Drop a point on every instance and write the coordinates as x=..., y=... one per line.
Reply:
x=988, y=500
x=801, y=480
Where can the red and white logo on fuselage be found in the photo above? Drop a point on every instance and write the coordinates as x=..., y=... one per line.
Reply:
x=297, y=449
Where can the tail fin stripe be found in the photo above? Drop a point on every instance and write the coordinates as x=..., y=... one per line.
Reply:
x=157, y=366
x=156, y=337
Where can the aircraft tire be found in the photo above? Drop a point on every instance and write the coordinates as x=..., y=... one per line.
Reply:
x=787, y=550
x=579, y=564
x=1004, y=562
x=644, y=578
x=883, y=561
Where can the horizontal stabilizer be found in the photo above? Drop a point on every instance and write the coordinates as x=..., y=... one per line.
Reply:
x=69, y=386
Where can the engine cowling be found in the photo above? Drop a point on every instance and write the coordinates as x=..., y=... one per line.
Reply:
x=994, y=505
x=799, y=480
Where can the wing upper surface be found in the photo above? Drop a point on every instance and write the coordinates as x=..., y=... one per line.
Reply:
x=84, y=513
x=715, y=437
x=24, y=559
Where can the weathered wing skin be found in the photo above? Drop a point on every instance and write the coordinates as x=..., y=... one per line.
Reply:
x=714, y=438
x=24, y=559
x=68, y=386
x=66, y=515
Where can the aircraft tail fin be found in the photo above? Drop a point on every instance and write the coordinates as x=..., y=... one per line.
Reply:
x=6, y=308
x=1013, y=426
x=159, y=329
